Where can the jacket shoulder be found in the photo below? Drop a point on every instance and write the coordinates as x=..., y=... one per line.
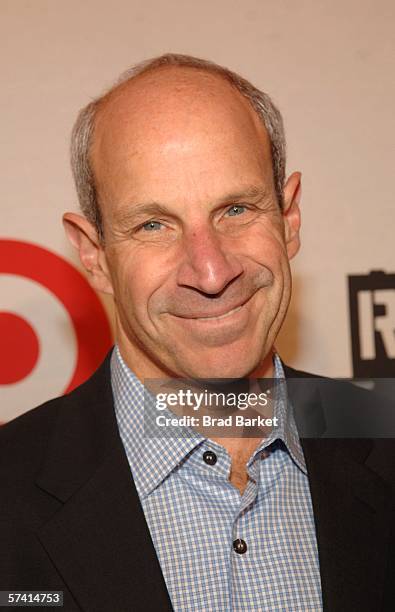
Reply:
x=23, y=441
x=293, y=373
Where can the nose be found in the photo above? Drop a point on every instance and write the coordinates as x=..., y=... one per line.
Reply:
x=206, y=265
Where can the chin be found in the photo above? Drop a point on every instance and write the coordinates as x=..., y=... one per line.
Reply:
x=227, y=365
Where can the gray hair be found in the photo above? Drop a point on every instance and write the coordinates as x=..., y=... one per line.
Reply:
x=82, y=134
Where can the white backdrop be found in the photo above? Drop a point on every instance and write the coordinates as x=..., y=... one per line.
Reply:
x=329, y=66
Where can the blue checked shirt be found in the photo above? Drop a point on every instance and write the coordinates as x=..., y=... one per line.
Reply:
x=194, y=513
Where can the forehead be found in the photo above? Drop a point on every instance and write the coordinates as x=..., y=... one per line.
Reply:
x=174, y=115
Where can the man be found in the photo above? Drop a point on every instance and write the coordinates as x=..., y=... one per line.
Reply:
x=189, y=224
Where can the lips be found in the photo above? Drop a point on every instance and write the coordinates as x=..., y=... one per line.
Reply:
x=219, y=314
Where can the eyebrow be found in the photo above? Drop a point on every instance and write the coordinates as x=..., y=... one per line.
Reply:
x=133, y=210
x=251, y=192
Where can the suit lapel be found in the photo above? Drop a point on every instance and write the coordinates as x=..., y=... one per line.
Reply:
x=351, y=511
x=99, y=540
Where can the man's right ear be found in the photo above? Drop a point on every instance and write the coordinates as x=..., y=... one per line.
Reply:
x=84, y=237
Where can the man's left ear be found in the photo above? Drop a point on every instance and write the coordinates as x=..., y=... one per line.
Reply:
x=291, y=213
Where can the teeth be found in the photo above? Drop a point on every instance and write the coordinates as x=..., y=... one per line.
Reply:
x=221, y=316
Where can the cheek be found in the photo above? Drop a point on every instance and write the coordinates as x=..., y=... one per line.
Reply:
x=266, y=247
x=136, y=279
x=133, y=290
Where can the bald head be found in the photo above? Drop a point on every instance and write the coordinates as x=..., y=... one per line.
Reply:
x=172, y=95
x=175, y=116
x=152, y=93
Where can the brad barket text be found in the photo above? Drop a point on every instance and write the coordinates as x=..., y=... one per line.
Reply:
x=233, y=420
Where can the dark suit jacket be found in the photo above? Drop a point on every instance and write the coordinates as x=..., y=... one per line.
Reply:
x=71, y=520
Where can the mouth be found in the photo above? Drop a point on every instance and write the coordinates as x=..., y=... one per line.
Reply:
x=216, y=329
x=218, y=316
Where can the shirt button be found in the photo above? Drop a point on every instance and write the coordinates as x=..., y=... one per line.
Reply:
x=239, y=546
x=210, y=458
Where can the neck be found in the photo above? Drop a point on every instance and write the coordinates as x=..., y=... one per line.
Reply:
x=240, y=449
x=266, y=368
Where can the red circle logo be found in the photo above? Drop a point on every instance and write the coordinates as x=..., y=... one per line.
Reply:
x=20, y=343
x=15, y=331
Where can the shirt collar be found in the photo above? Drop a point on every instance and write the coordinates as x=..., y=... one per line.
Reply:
x=287, y=431
x=153, y=459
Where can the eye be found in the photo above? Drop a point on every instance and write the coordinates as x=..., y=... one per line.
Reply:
x=151, y=226
x=236, y=209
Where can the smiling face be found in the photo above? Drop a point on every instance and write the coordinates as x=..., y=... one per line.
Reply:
x=196, y=248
